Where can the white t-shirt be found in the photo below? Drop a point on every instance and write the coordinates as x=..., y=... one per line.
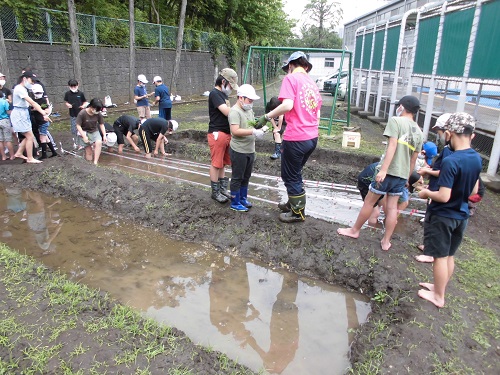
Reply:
x=18, y=98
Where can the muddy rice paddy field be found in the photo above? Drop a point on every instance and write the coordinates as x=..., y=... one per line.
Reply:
x=404, y=334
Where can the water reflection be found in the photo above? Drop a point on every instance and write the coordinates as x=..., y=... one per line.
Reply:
x=263, y=317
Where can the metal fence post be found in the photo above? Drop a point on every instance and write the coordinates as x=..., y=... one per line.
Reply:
x=161, y=40
x=94, y=31
x=49, y=27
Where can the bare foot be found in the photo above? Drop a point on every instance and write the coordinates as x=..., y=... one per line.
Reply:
x=385, y=245
x=431, y=297
x=427, y=286
x=20, y=156
x=33, y=161
x=420, y=247
x=424, y=258
x=349, y=232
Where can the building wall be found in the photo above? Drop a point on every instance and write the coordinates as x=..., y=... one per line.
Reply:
x=381, y=14
x=318, y=60
x=105, y=70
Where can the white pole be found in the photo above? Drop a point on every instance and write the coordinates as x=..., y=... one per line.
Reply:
x=398, y=60
x=358, y=90
x=495, y=153
x=470, y=50
x=432, y=85
x=369, y=78
x=381, y=76
x=409, y=88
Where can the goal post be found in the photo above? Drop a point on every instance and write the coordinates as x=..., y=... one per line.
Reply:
x=263, y=67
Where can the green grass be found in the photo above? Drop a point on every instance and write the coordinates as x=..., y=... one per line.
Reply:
x=71, y=309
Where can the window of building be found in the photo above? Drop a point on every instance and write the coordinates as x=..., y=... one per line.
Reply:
x=329, y=62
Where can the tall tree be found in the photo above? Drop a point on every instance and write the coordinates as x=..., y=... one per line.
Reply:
x=131, y=73
x=75, y=42
x=180, y=37
x=324, y=16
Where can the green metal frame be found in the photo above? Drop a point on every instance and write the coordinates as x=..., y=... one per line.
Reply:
x=331, y=120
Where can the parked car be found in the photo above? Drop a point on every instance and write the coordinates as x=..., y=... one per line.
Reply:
x=342, y=91
x=321, y=80
x=331, y=84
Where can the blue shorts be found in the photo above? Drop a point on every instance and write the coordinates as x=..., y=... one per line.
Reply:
x=43, y=129
x=391, y=186
x=405, y=196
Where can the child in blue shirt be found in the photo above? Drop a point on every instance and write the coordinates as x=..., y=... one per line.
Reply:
x=447, y=214
x=5, y=129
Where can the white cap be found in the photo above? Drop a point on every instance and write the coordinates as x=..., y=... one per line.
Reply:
x=111, y=139
x=2, y=75
x=247, y=91
x=441, y=120
x=142, y=78
x=174, y=125
x=157, y=79
x=37, y=88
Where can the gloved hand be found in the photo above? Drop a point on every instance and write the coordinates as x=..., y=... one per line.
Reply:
x=258, y=133
x=265, y=128
x=261, y=122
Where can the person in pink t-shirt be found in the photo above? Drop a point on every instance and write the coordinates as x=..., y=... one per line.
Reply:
x=301, y=102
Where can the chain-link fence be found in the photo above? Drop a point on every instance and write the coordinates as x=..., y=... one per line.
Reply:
x=52, y=26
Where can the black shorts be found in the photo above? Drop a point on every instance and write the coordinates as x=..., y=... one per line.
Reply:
x=442, y=235
x=119, y=133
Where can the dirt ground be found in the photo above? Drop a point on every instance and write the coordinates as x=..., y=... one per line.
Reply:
x=404, y=334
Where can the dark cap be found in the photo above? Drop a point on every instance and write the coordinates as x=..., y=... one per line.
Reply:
x=28, y=74
x=410, y=103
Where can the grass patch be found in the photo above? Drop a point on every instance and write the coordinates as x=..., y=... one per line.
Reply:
x=34, y=340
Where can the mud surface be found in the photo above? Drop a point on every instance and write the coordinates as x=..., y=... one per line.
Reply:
x=311, y=248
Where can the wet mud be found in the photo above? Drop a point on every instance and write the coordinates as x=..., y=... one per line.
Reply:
x=313, y=248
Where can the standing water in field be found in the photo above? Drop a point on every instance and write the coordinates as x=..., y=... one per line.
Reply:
x=263, y=317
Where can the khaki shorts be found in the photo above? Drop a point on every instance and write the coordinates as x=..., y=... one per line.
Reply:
x=144, y=112
x=92, y=136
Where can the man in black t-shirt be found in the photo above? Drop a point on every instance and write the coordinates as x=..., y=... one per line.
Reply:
x=219, y=134
x=75, y=101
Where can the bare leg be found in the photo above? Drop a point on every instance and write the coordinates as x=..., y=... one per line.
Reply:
x=364, y=214
x=88, y=153
x=97, y=151
x=11, y=150
x=2, y=151
x=20, y=150
x=216, y=173
x=374, y=216
x=29, y=148
x=120, y=149
x=442, y=270
x=391, y=219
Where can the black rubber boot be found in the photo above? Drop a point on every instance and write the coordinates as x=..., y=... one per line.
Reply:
x=216, y=193
x=298, y=209
x=223, y=185
x=52, y=149
x=285, y=206
x=44, y=151
x=277, y=151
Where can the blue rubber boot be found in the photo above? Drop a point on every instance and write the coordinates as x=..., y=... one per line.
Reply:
x=235, y=202
x=243, y=197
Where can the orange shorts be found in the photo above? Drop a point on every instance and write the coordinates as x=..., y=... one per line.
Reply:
x=219, y=149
